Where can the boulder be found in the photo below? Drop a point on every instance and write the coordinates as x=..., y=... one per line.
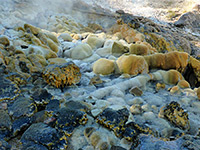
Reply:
x=94, y=41
x=81, y=51
x=171, y=60
x=65, y=37
x=103, y=66
x=132, y=64
x=61, y=75
x=139, y=49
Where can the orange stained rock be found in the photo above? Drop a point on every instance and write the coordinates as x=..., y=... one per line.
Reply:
x=152, y=49
x=159, y=86
x=172, y=77
x=132, y=64
x=128, y=33
x=198, y=93
x=103, y=66
x=195, y=64
x=171, y=60
x=139, y=49
x=61, y=75
x=183, y=84
x=174, y=89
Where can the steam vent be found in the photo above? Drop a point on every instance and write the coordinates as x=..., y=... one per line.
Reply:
x=99, y=75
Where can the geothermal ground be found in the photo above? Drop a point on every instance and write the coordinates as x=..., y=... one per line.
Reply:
x=99, y=75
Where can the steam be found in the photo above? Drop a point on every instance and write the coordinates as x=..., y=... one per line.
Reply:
x=37, y=12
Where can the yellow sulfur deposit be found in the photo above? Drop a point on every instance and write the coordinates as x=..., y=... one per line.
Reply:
x=61, y=75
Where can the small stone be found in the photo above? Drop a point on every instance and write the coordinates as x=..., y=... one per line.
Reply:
x=160, y=86
x=174, y=89
x=146, y=107
x=95, y=138
x=154, y=107
x=88, y=131
x=135, y=109
x=4, y=40
x=117, y=93
x=102, y=104
x=136, y=91
x=96, y=112
x=103, y=146
x=149, y=116
x=136, y=100
x=196, y=104
x=65, y=37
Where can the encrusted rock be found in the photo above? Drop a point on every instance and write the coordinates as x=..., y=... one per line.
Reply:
x=43, y=135
x=22, y=107
x=61, y=75
x=132, y=130
x=41, y=96
x=8, y=90
x=5, y=125
x=176, y=115
x=52, y=106
x=132, y=64
x=69, y=119
x=113, y=120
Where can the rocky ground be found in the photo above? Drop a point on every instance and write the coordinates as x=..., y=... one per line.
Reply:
x=87, y=78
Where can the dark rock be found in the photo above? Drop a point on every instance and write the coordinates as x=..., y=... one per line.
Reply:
x=8, y=90
x=189, y=20
x=117, y=148
x=176, y=115
x=5, y=125
x=40, y=116
x=69, y=119
x=75, y=105
x=132, y=130
x=22, y=107
x=33, y=146
x=41, y=135
x=52, y=106
x=5, y=121
x=41, y=96
x=113, y=120
x=21, y=124
x=4, y=145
